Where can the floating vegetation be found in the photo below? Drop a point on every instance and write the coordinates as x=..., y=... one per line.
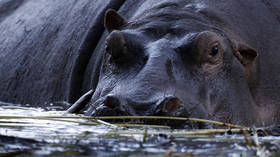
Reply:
x=42, y=133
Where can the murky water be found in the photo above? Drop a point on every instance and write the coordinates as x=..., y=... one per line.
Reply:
x=81, y=137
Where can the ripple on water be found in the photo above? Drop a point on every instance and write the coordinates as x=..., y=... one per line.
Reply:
x=64, y=136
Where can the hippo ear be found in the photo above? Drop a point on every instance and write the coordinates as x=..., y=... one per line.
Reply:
x=113, y=21
x=247, y=57
x=245, y=54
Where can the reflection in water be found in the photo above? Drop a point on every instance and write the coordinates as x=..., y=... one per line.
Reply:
x=64, y=137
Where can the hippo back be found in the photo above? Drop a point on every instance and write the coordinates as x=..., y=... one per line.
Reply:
x=45, y=48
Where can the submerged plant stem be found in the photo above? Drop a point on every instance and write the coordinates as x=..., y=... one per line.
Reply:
x=131, y=117
x=184, y=133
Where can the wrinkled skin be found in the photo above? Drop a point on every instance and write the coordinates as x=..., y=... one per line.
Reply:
x=180, y=72
x=167, y=63
x=200, y=59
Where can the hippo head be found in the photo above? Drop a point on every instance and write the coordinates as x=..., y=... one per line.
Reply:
x=155, y=66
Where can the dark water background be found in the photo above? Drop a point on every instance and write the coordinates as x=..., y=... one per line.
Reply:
x=79, y=137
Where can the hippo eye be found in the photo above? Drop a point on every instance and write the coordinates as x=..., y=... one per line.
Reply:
x=214, y=50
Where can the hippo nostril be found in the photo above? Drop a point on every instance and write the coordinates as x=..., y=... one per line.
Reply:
x=111, y=102
x=171, y=104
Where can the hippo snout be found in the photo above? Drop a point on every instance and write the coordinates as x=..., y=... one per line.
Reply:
x=171, y=106
x=113, y=105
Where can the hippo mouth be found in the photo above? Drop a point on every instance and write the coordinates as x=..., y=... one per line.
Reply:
x=112, y=106
x=169, y=106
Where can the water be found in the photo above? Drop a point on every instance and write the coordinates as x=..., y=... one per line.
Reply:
x=81, y=137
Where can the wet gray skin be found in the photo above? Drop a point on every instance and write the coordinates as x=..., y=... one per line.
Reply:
x=158, y=65
x=209, y=59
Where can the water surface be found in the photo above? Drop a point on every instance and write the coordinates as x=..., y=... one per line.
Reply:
x=83, y=137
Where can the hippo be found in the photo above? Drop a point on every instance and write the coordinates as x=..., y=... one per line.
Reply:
x=46, y=46
x=206, y=59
